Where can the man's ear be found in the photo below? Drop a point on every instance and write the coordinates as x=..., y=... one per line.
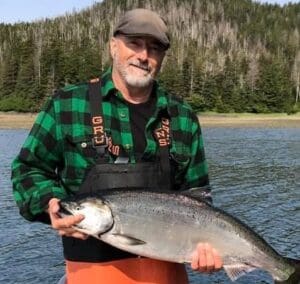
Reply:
x=112, y=46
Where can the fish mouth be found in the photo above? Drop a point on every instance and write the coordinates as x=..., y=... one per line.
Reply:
x=63, y=211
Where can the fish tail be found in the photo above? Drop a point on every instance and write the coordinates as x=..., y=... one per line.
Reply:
x=295, y=276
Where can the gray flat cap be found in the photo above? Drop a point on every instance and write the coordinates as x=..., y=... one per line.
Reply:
x=143, y=22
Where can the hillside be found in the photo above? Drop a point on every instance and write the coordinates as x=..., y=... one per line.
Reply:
x=226, y=55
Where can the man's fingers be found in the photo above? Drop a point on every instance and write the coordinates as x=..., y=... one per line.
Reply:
x=64, y=225
x=206, y=259
x=202, y=257
x=53, y=205
x=56, y=221
x=70, y=221
x=66, y=222
x=210, y=262
x=79, y=235
x=195, y=263
x=70, y=232
x=67, y=231
x=217, y=259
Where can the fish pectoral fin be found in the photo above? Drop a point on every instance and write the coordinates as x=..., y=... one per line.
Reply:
x=235, y=271
x=128, y=240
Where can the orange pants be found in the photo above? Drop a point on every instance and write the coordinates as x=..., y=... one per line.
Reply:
x=128, y=271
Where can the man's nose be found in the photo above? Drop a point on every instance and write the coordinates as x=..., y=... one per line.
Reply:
x=143, y=53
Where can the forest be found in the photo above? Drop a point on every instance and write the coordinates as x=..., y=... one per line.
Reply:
x=226, y=55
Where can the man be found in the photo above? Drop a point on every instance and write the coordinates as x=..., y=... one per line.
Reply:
x=88, y=134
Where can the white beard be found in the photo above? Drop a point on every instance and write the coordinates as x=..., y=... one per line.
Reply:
x=139, y=79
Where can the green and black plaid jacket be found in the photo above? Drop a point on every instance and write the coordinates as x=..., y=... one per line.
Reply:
x=58, y=150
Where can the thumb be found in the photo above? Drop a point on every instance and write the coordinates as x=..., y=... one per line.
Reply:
x=53, y=205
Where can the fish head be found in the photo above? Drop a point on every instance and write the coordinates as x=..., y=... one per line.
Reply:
x=98, y=217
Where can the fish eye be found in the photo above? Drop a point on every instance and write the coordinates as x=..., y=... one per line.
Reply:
x=77, y=208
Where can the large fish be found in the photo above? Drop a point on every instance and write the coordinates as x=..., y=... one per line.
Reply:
x=169, y=227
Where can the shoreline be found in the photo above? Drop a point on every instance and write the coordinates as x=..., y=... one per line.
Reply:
x=249, y=120
x=13, y=120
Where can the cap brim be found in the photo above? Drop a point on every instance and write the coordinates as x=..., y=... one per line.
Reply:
x=164, y=45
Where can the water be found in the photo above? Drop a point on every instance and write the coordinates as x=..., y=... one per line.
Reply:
x=255, y=175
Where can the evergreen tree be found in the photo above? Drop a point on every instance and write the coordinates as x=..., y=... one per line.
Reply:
x=274, y=89
x=233, y=55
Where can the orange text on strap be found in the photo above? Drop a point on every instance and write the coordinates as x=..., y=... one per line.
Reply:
x=163, y=134
x=114, y=149
x=98, y=130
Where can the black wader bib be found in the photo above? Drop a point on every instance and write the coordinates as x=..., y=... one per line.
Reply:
x=154, y=175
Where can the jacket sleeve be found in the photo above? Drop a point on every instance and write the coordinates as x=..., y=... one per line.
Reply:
x=196, y=177
x=34, y=170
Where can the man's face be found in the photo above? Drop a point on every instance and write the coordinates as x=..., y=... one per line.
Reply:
x=137, y=60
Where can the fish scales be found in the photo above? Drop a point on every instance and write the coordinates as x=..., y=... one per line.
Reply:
x=177, y=214
x=169, y=226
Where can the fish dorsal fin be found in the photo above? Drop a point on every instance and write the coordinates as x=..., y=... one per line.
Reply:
x=235, y=271
x=128, y=240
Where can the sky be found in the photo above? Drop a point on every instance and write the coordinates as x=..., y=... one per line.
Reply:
x=12, y=11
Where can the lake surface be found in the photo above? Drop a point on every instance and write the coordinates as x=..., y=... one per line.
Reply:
x=255, y=175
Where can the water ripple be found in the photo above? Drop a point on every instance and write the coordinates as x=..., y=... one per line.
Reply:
x=255, y=175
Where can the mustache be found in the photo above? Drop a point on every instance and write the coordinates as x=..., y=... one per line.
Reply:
x=138, y=64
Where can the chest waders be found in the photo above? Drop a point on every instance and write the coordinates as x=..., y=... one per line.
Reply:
x=94, y=262
x=154, y=175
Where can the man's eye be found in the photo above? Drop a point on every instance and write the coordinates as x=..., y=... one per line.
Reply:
x=133, y=42
x=155, y=48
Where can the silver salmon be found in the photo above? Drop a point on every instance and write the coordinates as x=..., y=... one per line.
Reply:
x=169, y=226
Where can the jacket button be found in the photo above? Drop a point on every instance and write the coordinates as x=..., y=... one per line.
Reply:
x=83, y=145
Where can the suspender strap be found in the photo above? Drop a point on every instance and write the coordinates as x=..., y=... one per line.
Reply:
x=101, y=142
x=99, y=136
x=162, y=136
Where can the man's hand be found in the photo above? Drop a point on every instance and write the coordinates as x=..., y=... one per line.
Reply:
x=206, y=259
x=64, y=225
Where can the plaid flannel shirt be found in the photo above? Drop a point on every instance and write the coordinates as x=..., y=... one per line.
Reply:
x=58, y=150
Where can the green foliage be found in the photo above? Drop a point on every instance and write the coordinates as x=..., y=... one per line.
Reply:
x=294, y=109
x=197, y=102
x=274, y=88
x=226, y=56
x=16, y=103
